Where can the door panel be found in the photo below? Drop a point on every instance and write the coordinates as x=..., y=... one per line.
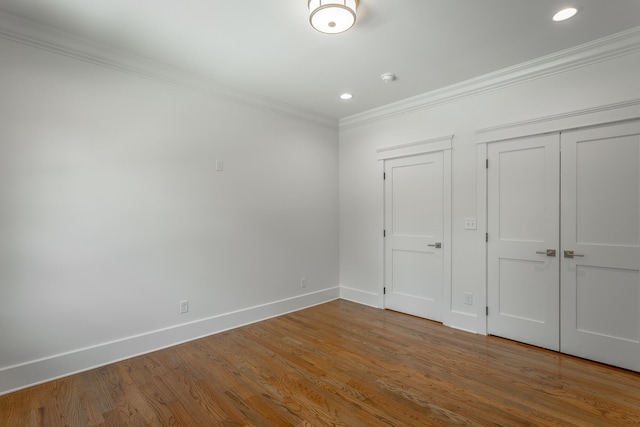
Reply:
x=413, y=215
x=610, y=310
x=607, y=177
x=600, y=224
x=523, y=203
x=412, y=270
x=521, y=195
x=414, y=223
x=520, y=278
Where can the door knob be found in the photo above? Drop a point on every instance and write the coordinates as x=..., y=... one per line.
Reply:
x=548, y=252
x=570, y=254
x=436, y=245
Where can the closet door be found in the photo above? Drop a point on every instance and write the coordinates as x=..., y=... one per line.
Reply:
x=600, y=273
x=523, y=203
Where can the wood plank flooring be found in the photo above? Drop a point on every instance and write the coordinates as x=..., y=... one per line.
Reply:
x=338, y=364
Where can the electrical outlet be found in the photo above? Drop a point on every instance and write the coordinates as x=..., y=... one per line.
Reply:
x=468, y=298
x=303, y=282
x=470, y=224
x=184, y=306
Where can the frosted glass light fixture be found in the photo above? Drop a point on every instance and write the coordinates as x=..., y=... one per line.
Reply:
x=332, y=16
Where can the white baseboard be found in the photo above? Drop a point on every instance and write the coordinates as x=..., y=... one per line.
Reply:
x=35, y=372
x=464, y=322
x=361, y=297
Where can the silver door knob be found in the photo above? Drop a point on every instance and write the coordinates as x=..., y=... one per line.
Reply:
x=548, y=252
x=436, y=245
x=571, y=254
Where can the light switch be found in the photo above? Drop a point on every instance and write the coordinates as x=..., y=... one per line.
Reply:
x=219, y=165
x=470, y=224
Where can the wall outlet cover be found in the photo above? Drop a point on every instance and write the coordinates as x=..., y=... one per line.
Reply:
x=184, y=306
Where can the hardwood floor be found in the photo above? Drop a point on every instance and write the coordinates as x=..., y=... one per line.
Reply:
x=338, y=364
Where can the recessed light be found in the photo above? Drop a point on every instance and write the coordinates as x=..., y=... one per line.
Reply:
x=564, y=14
x=346, y=96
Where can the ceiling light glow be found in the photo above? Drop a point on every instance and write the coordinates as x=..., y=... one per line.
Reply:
x=346, y=96
x=565, y=14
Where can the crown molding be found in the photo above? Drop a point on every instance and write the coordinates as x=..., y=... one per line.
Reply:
x=572, y=120
x=28, y=33
x=607, y=48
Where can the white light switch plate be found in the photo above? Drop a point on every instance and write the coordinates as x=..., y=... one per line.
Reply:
x=470, y=224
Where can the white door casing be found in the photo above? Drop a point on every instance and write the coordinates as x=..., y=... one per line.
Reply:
x=441, y=148
x=601, y=224
x=523, y=230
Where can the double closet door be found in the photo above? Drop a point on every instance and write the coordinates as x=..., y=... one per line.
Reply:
x=564, y=242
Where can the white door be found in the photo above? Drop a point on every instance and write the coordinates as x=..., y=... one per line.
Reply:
x=601, y=225
x=523, y=233
x=414, y=231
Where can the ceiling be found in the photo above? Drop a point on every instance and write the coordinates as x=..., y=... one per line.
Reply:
x=267, y=47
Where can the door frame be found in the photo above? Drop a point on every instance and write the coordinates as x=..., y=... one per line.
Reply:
x=563, y=122
x=442, y=144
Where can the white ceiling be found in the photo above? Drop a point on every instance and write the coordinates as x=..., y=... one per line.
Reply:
x=268, y=48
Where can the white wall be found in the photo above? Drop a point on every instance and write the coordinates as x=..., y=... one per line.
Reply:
x=606, y=80
x=111, y=212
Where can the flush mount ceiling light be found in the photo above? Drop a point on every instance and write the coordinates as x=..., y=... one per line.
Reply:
x=332, y=16
x=346, y=96
x=564, y=14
